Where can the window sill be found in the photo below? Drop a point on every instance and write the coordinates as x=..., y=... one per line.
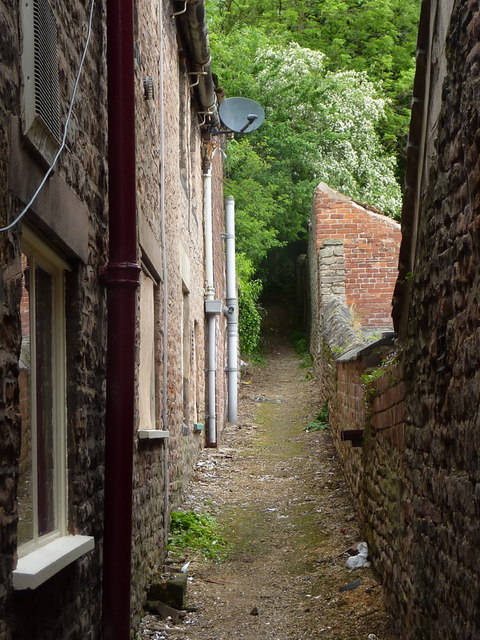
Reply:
x=37, y=567
x=152, y=434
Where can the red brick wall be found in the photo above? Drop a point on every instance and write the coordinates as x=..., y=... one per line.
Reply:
x=371, y=244
x=388, y=408
x=384, y=506
x=375, y=472
x=347, y=411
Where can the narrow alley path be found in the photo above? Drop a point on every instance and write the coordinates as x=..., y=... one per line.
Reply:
x=279, y=494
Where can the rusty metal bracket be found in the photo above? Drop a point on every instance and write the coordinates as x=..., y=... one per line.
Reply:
x=354, y=435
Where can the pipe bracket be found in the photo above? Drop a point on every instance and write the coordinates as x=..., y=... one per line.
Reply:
x=121, y=273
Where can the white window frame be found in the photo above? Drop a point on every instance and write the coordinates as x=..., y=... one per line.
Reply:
x=44, y=556
x=40, y=254
x=147, y=366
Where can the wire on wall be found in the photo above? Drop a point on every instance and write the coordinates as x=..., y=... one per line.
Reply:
x=65, y=131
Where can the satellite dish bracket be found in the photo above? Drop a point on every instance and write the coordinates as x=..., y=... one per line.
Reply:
x=250, y=118
x=238, y=115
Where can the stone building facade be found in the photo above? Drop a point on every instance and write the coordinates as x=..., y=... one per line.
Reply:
x=437, y=317
x=418, y=475
x=53, y=372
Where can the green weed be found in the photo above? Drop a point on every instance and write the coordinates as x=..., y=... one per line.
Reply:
x=196, y=532
x=321, y=422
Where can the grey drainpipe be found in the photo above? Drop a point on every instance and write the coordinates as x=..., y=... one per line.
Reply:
x=231, y=310
x=122, y=278
x=194, y=35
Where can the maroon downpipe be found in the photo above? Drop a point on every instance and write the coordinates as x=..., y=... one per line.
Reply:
x=121, y=277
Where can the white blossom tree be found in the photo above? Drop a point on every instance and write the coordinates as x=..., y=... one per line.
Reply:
x=336, y=115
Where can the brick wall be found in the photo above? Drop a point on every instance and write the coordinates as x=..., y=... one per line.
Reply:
x=370, y=254
x=385, y=513
x=421, y=448
x=344, y=242
x=376, y=471
x=347, y=411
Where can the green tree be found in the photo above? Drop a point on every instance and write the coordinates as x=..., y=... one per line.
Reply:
x=320, y=126
x=335, y=79
x=325, y=124
x=361, y=35
x=248, y=182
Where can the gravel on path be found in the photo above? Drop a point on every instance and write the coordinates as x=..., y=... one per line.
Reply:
x=280, y=497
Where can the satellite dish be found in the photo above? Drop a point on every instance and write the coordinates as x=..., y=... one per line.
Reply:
x=241, y=115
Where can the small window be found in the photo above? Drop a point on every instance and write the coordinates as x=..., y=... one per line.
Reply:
x=147, y=401
x=186, y=355
x=42, y=479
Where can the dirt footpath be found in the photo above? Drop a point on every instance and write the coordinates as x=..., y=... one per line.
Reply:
x=280, y=497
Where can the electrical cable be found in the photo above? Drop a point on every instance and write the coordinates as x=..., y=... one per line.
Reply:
x=65, y=131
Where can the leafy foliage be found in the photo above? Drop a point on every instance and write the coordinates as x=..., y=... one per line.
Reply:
x=329, y=125
x=321, y=125
x=249, y=290
x=360, y=35
x=254, y=201
x=194, y=531
x=299, y=340
x=321, y=422
x=335, y=79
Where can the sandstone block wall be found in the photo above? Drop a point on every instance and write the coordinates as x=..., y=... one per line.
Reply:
x=10, y=283
x=71, y=216
x=172, y=249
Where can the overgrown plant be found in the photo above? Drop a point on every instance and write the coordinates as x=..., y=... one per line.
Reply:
x=321, y=422
x=369, y=379
x=249, y=290
x=195, y=532
x=299, y=340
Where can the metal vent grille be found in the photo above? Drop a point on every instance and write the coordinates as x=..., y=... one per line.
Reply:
x=41, y=86
x=47, y=94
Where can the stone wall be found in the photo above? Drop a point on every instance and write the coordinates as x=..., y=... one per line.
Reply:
x=371, y=401
x=220, y=287
x=10, y=283
x=171, y=238
x=353, y=265
x=442, y=355
x=68, y=604
x=420, y=485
